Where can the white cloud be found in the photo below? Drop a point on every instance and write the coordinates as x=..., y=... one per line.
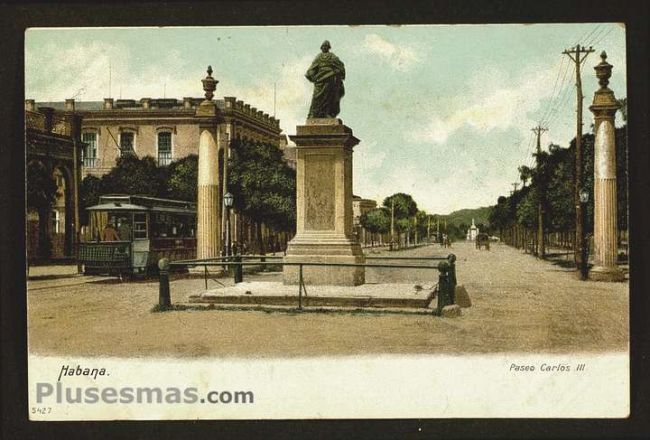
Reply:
x=489, y=103
x=293, y=92
x=82, y=70
x=399, y=57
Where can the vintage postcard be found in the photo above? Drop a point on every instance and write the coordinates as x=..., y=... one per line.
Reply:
x=314, y=222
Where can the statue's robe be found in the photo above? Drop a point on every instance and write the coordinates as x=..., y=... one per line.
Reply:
x=327, y=73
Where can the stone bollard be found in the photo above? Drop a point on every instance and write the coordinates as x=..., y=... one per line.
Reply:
x=445, y=295
x=164, y=298
x=238, y=269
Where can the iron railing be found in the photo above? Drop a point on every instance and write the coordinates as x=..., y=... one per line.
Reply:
x=446, y=267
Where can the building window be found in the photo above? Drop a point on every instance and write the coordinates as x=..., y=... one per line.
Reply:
x=89, y=152
x=56, y=220
x=164, y=148
x=127, y=144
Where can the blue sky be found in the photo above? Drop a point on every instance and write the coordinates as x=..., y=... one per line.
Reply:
x=443, y=112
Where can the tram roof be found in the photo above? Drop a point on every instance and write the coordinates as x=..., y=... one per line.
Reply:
x=123, y=202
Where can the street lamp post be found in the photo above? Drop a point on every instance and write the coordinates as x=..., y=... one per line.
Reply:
x=584, y=263
x=227, y=202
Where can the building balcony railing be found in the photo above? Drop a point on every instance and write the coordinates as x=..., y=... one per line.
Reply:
x=89, y=162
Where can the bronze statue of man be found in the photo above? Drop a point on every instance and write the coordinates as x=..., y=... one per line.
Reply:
x=327, y=73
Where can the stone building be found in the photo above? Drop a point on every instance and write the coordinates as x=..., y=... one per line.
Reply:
x=169, y=129
x=359, y=207
x=166, y=129
x=53, y=151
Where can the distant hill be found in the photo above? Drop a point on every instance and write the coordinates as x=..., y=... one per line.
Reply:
x=465, y=216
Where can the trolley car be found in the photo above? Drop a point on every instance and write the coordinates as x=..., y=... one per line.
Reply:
x=128, y=234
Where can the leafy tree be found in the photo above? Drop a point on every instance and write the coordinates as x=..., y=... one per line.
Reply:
x=41, y=187
x=422, y=223
x=405, y=206
x=132, y=175
x=376, y=221
x=263, y=185
x=525, y=174
x=527, y=210
x=89, y=192
x=41, y=195
x=182, y=178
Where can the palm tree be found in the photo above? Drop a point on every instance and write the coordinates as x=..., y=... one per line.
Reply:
x=525, y=174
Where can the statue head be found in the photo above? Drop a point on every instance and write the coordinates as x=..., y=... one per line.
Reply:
x=326, y=46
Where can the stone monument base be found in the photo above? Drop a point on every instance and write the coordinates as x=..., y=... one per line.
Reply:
x=334, y=251
x=606, y=274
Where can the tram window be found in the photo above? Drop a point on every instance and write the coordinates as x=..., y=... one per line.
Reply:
x=139, y=226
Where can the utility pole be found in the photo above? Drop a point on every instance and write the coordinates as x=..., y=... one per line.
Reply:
x=415, y=226
x=540, y=194
x=578, y=55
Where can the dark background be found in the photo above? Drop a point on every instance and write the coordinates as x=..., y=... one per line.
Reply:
x=14, y=19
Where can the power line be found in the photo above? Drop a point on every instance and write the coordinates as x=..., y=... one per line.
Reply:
x=590, y=34
x=553, y=96
x=561, y=104
x=603, y=37
x=551, y=109
x=552, y=104
x=595, y=36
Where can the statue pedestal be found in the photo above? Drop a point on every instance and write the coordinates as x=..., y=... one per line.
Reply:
x=324, y=206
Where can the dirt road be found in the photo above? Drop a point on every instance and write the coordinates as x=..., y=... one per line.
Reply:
x=520, y=304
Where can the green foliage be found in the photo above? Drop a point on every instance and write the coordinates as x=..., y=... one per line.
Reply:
x=376, y=221
x=423, y=220
x=525, y=174
x=465, y=216
x=41, y=187
x=89, y=192
x=403, y=224
x=554, y=183
x=405, y=206
x=527, y=210
x=132, y=175
x=263, y=185
x=182, y=178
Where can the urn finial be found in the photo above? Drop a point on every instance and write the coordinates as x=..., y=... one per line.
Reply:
x=209, y=85
x=603, y=70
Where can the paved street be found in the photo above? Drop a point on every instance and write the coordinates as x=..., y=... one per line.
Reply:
x=519, y=304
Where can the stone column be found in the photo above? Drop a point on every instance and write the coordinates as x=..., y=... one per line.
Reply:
x=208, y=219
x=605, y=220
x=324, y=227
x=208, y=236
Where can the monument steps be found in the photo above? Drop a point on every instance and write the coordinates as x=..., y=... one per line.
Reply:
x=373, y=296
